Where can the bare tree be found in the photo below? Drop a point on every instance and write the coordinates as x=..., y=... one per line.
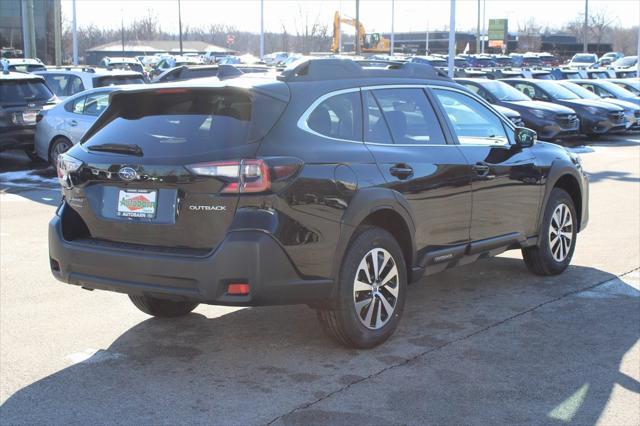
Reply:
x=529, y=38
x=599, y=25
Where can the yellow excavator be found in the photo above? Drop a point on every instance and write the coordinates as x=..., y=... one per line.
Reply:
x=370, y=43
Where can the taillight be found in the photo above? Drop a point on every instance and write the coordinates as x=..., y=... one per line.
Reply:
x=65, y=165
x=247, y=176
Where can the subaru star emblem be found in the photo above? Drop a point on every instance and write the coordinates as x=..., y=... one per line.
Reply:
x=127, y=173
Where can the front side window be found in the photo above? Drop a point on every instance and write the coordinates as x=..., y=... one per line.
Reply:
x=531, y=91
x=410, y=116
x=338, y=117
x=473, y=123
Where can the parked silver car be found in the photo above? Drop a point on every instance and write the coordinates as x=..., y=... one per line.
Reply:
x=63, y=126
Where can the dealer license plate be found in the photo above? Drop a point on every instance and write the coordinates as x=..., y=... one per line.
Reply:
x=137, y=203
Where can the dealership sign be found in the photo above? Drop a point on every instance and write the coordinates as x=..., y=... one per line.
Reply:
x=498, y=31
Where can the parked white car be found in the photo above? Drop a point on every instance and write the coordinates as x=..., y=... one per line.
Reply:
x=62, y=126
x=67, y=81
x=583, y=60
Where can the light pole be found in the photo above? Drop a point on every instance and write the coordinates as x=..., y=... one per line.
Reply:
x=393, y=9
x=74, y=32
x=478, y=30
x=358, y=47
x=180, y=25
x=484, y=24
x=452, y=36
x=261, y=29
x=585, y=28
x=426, y=42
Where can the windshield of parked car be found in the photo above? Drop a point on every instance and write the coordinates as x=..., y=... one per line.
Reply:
x=580, y=91
x=627, y=61
x=632, y=86
x=503, y=91
x=615, y=89
x=23, y=91
x=584, y=58
x=557, y=91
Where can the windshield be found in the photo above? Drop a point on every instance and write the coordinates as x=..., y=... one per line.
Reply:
x=584, y=58
x=180, y=122
x=557, y=91
x=23, y=91
x=615, y=89
x=627, y=61
x=580, y=91
x=113, y=80
x=632, y=86
x=503, y=91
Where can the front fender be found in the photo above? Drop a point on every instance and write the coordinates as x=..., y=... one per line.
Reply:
x=560, y=168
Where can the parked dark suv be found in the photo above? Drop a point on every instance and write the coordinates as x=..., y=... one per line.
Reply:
x=335, y=185
x=22, y=97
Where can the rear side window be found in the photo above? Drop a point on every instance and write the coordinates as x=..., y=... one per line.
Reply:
x=179, y=122
x=64, y=84
x=410, y=116
x=95, y=104
x=23, y=91
x=113, y=80
x=339, y=117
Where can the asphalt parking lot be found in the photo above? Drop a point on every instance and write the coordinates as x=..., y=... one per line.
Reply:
x=488, y=343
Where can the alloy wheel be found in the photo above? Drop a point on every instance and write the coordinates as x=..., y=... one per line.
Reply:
x=59, y=148
x=561, y=233
x=375, y=288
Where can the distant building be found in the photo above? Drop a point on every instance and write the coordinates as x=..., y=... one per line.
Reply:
x=142, y=47
x=12, y=31
x=564, y=45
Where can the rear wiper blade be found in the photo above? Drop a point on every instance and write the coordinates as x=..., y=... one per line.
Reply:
x=118, y=149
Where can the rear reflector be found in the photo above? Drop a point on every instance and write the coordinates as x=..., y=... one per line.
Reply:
x=236, y=289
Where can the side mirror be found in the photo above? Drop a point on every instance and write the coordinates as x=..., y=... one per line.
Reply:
x=525, y=137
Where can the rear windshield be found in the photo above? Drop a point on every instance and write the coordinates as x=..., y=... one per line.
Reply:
x=175, y=122
x=117, y=80
x=23, y=91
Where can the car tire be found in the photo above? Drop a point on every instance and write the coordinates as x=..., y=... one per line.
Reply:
x=162, y=308
x=555, y=249
x=33, y=155
x=58, y=146
x=357, y=283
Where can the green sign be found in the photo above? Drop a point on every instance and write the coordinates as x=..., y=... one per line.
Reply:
x=498, y=29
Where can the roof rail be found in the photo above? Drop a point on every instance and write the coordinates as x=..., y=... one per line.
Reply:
x=317, y=69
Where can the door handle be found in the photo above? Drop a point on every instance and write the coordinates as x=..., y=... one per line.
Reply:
x=73, y=123
x=401, y=171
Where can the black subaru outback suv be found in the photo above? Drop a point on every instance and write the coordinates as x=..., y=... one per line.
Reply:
x=335, y=186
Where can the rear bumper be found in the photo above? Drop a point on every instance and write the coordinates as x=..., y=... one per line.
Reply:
x=17, y=138
x=250, y=256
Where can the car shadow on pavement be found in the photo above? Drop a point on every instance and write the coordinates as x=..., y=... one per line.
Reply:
x=485, y=343
x=613, y=175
